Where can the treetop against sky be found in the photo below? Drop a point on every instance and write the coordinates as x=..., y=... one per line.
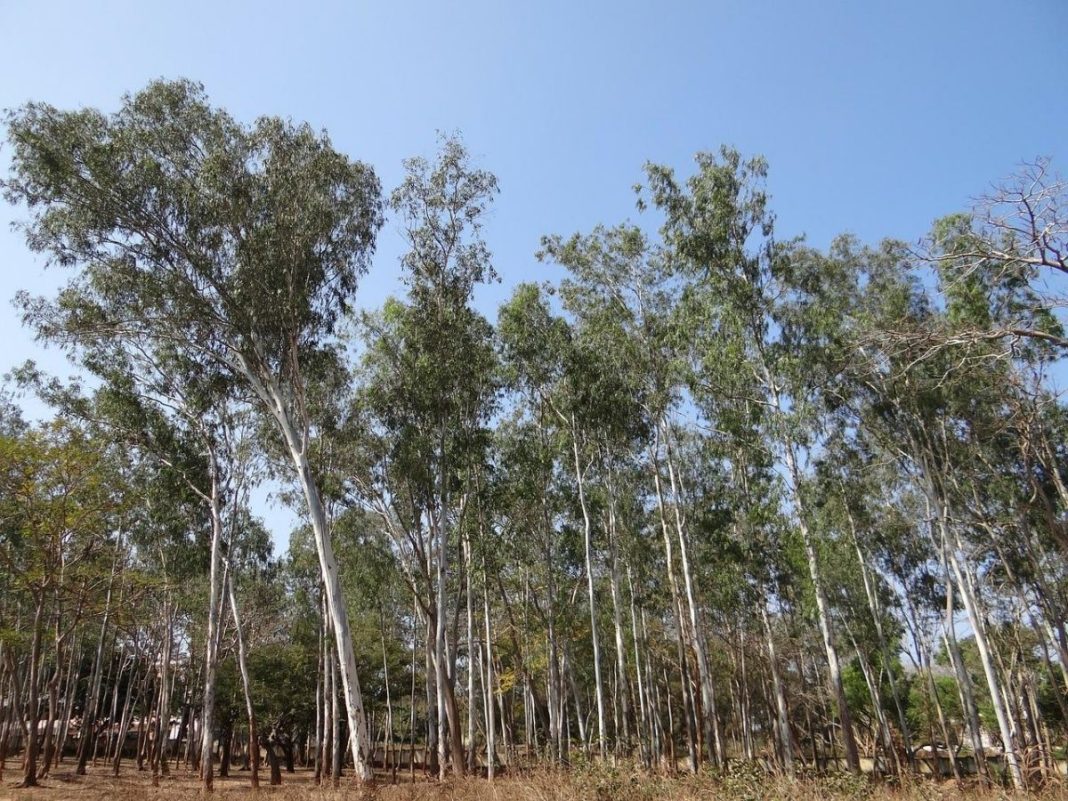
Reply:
x=875, y=119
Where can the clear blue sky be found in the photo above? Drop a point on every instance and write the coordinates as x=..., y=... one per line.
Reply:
x=876, y=116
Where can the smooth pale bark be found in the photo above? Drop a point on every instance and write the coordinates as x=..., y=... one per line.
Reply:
x=823, y=611
x=211, y=647
x=644, y=717
x=710, y=723
x=440, y=672
x=335, y=720
x=491, y=727
x=349, y=680
x=471, y=706
x=296, y=440
x=992, y=679
x=622, y=680
x=743, y=700
x=932, y=690
x=328, y=743
x=587, y=539
x=953, y=548
x=387, y=736
x=89, y=717
x=163, y=719
x=875, y=609
x=881, y=723
x=250, y=711
x=680, y=626
x=786, y=742
x=431, y=694
x=127, y=716
x=320, y=715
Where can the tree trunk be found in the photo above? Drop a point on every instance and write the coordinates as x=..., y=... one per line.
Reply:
x=786, y=743
x=952, y=549
x=587, y=534
x=708, y=693
x=211, y=641
x=824, y=615
x=29, y=772
x=242, y=662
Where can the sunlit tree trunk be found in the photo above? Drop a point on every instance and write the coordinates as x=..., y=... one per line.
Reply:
x=250, y=711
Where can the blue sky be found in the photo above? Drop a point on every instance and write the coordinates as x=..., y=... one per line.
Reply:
x=876, y=116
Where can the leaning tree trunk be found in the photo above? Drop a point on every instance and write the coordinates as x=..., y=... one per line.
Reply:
x=270, y=393
x=339, y=619
x=242, y=662
x=824, y=614
x=952, y=548
x=875, y=609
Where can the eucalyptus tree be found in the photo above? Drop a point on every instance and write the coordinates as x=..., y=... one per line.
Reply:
x=236, y=246
x=775, y=311
x=941, y=414
x=621, y=294
x=534, y=560
x=577, y=387
x=427, y=392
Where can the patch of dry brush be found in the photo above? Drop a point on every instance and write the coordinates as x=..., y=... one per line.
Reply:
x=576, y=785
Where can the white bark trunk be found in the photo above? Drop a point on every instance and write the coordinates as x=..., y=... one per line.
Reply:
x=587, y=532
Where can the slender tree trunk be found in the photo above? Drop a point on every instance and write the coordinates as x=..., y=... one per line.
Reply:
x=335, y=721
x=680, y=628
x=875, y=608
x=644, y=716
x=975, y=619
x=786, y=744
x=29, y=773
x=823, y=614
x=320, y=696
x=242, y=663
x=163, y=720
x=710, y=724
x=73, y=674
x=587, y=534
x=127, y=716
x=623, y=686
x=491, y=727
x=349, y=679
x=207, y=718
x=471, y=706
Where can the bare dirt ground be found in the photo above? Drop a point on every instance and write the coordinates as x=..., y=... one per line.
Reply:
x=597, y=785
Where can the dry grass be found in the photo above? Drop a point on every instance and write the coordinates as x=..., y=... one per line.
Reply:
x=593, y=784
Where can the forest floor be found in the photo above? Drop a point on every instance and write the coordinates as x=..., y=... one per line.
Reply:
x=576, y=785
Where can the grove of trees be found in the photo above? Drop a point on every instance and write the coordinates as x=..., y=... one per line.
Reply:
x=715, y=497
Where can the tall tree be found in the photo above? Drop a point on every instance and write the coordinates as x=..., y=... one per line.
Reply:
x=236, y=245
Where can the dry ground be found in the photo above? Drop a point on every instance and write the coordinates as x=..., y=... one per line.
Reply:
x=578, y=785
